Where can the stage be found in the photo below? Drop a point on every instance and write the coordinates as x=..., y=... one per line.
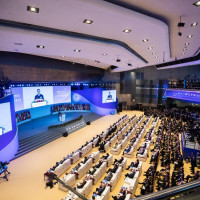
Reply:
x=41, y=124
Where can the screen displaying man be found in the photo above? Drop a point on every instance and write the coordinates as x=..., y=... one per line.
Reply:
x=109, y=96
x=39, y=97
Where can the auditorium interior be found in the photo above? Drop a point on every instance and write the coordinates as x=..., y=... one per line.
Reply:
x=99, y=100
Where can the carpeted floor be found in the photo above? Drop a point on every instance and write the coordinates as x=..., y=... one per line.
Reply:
x=26, y=180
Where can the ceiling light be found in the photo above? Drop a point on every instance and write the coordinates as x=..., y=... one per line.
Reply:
x=87, y=21
x=17, y=43
x=32, y=9
x=77, y=50
x=40, y=46
x=145, y=40
x=189, y=36
x=127, y=31
x=62, y=56
x=184, y=49
x=197, y=3
x=156, y=57
x=186, y=44
x=150, y=48
x=194, y=24
x=183, y=53
x=104, y=54
x=158, y=60
x=154, y=53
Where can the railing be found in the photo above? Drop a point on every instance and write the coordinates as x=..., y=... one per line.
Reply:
x=176, y=191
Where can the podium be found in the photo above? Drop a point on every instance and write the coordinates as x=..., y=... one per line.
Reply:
x=38, y=104
x=61, y=117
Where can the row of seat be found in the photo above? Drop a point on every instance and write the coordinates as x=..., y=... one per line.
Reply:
x=91, y=179
x=130, y=184
x=147, y=143
x=123, y=143
x=139, y=134
x=70, y=178
x=74, y=157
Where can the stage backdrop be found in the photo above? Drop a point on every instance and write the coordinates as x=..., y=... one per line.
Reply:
x=8, y=133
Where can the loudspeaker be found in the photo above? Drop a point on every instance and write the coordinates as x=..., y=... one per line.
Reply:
x=65, y=134
x=113, y=67
x=88, y=123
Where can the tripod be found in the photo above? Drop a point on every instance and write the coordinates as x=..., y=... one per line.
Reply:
x=3, y=170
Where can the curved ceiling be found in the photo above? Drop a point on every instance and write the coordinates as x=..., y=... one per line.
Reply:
x=109, y=22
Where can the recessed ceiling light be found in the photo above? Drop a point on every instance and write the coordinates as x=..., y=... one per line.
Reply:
x=197, y=3
x=127, y=31
x=32, y=9
x=154, y=53
x=186, y=44
x=40, y=46
x=156, y=57
x=189, y=36
x=77, y=50
x=17, y=43
x=87, y=21
x=158, y=60
x=145, y=40
x=194, y=24
x=104, y=54
x=62, y=56
x=183, y=53
x=184, y=49
x=150, y=48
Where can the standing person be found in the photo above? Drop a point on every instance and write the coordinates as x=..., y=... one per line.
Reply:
x=193, y=162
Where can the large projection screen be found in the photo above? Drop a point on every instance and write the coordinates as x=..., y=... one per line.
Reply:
x=31, y=97
x=5, y=118
x=109, y=96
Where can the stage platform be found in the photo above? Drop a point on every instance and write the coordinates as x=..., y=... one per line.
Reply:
x=35, y=133
x=41, y=124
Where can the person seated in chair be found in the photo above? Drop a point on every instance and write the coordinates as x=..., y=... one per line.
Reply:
x=133, y=164
x=119, y=161
x=105, y=156
x=92, y=170
x=131, y=174
x=109, y=176
x=127, y=150
x=100, y=190
x=114, y=169
x=81, y=185
x=102, y=147
x=119, y=197
x=99, y=164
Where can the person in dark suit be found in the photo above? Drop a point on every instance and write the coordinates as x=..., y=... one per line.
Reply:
x=119, y=197
x=39, y=96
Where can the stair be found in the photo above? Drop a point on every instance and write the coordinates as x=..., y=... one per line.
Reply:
x=29, y=144
x=92, y=117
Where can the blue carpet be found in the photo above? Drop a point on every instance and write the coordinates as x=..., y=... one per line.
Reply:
x=40, y=125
